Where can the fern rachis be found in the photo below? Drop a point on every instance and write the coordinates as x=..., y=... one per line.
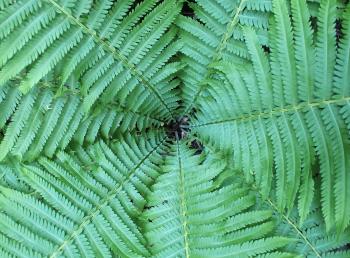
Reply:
x=161, y=128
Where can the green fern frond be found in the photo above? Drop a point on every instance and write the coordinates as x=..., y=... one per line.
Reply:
x=64, y=33
x=56, y=122
x=195, y=217
x=306, y=122
x=82, y=213
x=311, y=240
x=218, y=30
x=10, y=179
x=187, y=128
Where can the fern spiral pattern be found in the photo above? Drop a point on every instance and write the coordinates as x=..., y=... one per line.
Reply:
x=187, y=128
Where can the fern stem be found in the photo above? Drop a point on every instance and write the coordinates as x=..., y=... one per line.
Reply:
x=276, y=111
x=94, y=212
x=115, y=53
x=183, y=200
x=295, y=227
x=218, y=51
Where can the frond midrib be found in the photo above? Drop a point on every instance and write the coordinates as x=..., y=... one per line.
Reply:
x=218, y=51
x=295, y=227
x=183, y=207
x=277, y=111
x=102, y=203
x=291, y=223
x=115, y=53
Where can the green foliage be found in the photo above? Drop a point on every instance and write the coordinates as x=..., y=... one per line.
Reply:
x=161, y=128
x=217, y=34
x=290, y=111
x=82, y=204
x=53, y=122
x=311, y=240
x=61, y=37
x=195, y=217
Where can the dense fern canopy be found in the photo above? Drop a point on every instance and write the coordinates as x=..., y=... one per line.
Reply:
x=174, y=128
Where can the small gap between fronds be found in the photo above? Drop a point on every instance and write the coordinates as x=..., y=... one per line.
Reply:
x=178, y=128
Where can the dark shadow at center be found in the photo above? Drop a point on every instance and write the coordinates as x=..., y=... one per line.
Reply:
x=178, y=129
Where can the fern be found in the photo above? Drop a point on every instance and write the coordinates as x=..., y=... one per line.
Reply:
x=82, y=214
x=311, y=240
x=161, y=128
x=214, y=35
x=196, y=217
x=289, y=115
x=54, y=41
x=58, y=121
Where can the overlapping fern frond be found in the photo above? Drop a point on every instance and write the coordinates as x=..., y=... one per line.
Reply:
x=82, y=204
x=38, y=123
x=311, y=239
x=160, y=128
x=111, y=48
x=215, y=34
x=288, y=110
x=191, y=214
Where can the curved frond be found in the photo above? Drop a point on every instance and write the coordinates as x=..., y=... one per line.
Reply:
x=174, y=128
x=216, y=34
x=79, y=213
x=101, y=46
x=195, y=217
x=305, y=123
x=38, y=123
x=311, y=240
